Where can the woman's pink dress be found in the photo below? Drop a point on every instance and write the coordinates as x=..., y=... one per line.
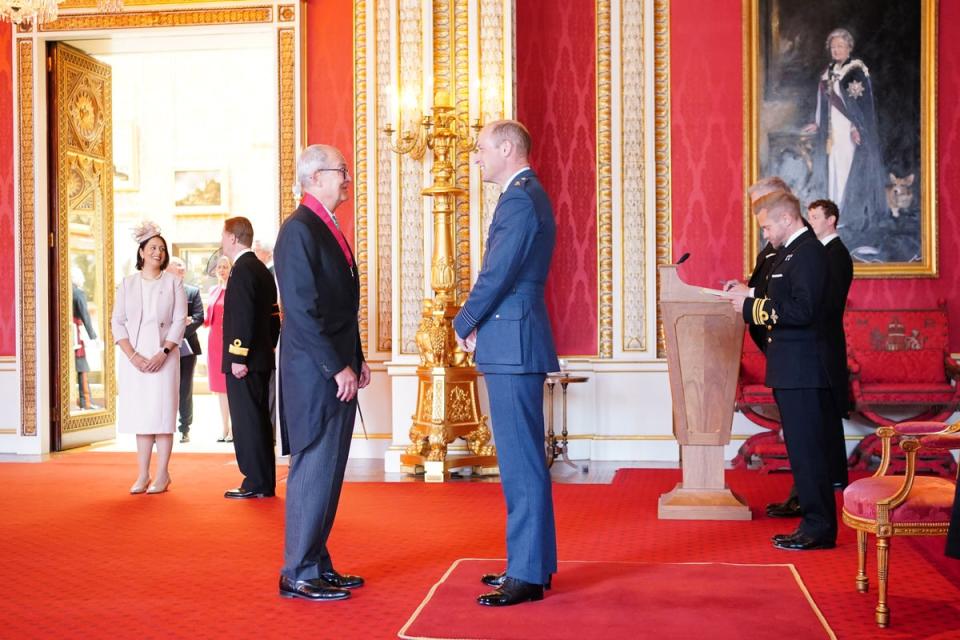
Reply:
x=214, y=320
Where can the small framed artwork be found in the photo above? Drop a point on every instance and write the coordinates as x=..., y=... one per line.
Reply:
x=201, y=191
x=841, y=103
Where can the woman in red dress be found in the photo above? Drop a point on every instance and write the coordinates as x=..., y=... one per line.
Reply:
x=214, y=320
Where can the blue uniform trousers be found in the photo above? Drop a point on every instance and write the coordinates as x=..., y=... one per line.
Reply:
x=516, y=411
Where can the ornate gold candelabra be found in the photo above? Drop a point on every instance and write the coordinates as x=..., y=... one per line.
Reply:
x=447, y=402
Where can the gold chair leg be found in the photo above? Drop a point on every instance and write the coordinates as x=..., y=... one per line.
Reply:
x=883, y=556
x=863, y=582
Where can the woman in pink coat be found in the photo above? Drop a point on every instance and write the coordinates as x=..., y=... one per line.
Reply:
x=214, y=320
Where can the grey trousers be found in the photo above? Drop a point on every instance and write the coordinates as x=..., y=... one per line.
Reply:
x=313, y=492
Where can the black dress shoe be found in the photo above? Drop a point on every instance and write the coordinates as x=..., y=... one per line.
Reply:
x=310, y=590
x=803, y=542
x=511, y=592
x=339, y=581
x=240, y=494
x=789, y=508
x=496, y=580
x=784, y=536
x=786, y=510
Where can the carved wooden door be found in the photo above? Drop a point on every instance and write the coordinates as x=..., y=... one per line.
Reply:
x=83, y=388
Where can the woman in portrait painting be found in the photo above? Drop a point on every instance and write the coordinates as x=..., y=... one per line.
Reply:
x=214, y=320
x=849, y=167
x=148, y=321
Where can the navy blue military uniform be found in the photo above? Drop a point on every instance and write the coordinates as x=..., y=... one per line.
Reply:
x=797, y=361
x=514, y=351
x=251, y=326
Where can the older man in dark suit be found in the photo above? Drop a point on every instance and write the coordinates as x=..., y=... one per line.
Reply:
x=505, y=320
x=189, y=347
x=321, y=368
x=797, y=362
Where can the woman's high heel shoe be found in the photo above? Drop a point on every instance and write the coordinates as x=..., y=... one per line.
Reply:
x=139, y=487
x=158, y=488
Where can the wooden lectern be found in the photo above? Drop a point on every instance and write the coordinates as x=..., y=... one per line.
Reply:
x=704, y=336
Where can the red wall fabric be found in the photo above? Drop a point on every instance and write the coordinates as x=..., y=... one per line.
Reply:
x=329, y=85
x=707, y=156
x=556, y=100
x=8, y=257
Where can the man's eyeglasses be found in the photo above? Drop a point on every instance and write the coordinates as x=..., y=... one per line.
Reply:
x=342, y=170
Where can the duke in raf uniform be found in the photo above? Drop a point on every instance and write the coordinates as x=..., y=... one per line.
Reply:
x=505, y=319
x=251, y=326
x=796, y=350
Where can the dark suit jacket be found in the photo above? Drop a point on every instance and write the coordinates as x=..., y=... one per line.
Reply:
x=251, y=319
x=793, y=316
x=320, y=294
x=195, y=311
x=839, y=278
x=506, y=304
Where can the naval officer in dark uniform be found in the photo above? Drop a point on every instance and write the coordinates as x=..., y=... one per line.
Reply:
x=797, y=360
x=505, y=321
x=251, y=326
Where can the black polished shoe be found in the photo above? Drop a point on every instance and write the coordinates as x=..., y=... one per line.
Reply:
x=496, y=580
x=242, y=494
x=512, y=592
x=784, y=536
x=789, y=508
x=339, y=581
x=803, y=542
x=316, y=590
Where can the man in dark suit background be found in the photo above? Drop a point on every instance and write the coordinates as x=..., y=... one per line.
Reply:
x=251, y=325
x=81, y=318
x=505, y=320
x=189, y=347
x=824, y=217
x=321, y=369
x=797, y=362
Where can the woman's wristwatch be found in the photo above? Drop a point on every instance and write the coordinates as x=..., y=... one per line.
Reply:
x=166, y=350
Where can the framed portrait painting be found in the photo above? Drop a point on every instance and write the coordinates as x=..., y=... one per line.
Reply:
x=841, y=104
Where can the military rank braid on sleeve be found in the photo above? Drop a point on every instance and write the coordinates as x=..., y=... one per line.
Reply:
x=237, y=348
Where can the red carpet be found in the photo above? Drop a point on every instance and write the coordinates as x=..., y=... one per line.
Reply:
x=81, y=558
x=598, y=600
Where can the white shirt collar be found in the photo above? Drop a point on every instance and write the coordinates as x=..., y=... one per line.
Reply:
x=242, y=251
x=830, y=237
x=794, y=236
x=507, y=183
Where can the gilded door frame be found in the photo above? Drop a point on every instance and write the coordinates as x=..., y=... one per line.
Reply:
x=78, y=20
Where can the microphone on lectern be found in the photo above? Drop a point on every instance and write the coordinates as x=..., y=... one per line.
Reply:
x=683, y=258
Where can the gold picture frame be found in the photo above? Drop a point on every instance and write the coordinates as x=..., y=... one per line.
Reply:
x=891, y=232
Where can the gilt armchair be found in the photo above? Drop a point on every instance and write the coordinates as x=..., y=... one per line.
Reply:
x=899, y=505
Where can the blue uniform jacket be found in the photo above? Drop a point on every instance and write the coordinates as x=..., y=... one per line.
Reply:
x=506, y=304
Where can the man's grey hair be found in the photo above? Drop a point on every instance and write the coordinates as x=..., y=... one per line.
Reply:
x=311, y=159
x=177, y=262
x=843, y=34
x=767, y=185
x=263, y=245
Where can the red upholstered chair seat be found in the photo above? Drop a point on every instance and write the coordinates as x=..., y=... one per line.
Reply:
x=930, y=499
x=916, y=366
x=758, y=394
x=904, y=393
